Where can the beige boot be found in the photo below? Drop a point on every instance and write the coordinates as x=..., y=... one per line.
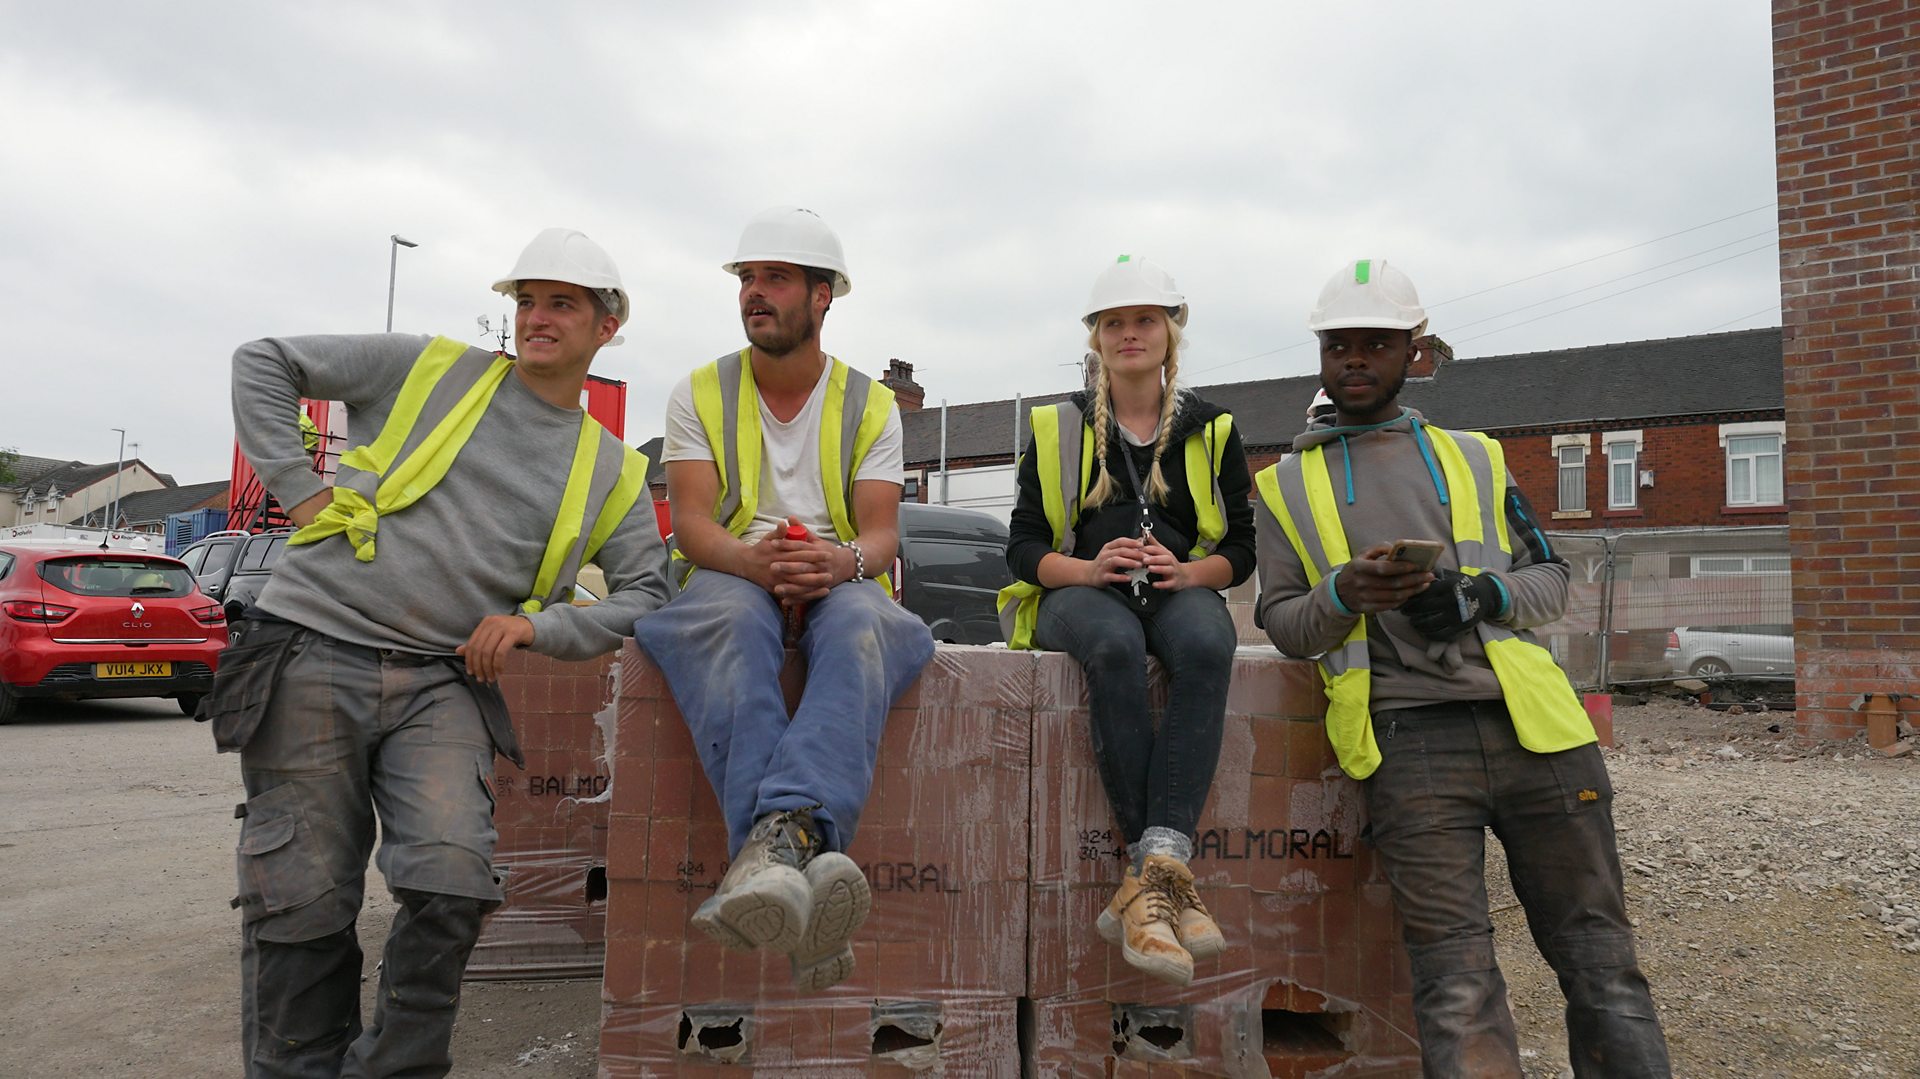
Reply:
x=1199, y=934
x=1109, y=923
x=1148, y=919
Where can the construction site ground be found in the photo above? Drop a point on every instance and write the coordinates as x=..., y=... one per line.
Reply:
x=1776, y=887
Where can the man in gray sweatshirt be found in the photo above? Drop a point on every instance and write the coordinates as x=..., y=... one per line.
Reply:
x=1405, y=560
x=363, y=685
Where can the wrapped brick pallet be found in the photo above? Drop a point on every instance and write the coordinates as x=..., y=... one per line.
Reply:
x=941, y=962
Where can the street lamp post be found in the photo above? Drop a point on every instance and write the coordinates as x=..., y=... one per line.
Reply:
x=394, y=244
x=120, y=466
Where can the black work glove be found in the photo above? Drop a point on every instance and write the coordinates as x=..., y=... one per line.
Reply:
x=1453, y=604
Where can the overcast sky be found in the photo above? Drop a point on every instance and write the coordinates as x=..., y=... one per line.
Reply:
x=176, y=179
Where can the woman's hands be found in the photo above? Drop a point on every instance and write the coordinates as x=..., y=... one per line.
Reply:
x=1115, y=563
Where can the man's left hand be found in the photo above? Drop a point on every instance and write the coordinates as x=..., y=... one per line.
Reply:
x=496, y=636
x=1453, y=604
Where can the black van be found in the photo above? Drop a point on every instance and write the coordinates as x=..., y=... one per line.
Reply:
x=953, y=563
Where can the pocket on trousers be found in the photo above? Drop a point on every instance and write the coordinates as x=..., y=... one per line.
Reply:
x=279, y=867
x=244, y=681
x=1582, y=775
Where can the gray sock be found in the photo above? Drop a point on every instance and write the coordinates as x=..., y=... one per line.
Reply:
x=1164, y=841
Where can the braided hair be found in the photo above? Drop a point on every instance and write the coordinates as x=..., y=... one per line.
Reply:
x=1104, y=424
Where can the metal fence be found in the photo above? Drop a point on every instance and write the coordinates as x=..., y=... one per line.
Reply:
x=1654, y=604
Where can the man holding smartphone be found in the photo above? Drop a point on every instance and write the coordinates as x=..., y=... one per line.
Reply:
x=1407, y=561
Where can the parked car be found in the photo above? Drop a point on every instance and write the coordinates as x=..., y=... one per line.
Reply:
x=1752, y=650
x=233, y=567
x=85, y=623
x=952, y=565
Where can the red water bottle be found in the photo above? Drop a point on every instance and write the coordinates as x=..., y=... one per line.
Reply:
x=796, y=614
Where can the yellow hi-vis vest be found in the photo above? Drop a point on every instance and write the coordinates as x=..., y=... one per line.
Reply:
x=1299, y=493
x=445, y=394
x=852, y=418
x=1064, y=441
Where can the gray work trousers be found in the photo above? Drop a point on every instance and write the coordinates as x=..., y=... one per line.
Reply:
x=1447, y=773
x=350, y=735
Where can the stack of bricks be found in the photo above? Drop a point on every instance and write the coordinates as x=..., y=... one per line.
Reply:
x=940, y=963
x=1846, y=104
x=1314, y=976
x=552, y=820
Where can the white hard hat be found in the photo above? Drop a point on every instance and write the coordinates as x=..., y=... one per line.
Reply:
x=1321, y=405
x=791, y=234
x=1132, y=282
x=567, y=255
x=1368, y=294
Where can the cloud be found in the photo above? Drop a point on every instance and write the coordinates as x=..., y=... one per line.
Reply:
x=182, y=178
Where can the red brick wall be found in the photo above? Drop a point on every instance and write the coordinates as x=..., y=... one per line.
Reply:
x=1689, y=484
x=1846, y=104
x=1689, y=481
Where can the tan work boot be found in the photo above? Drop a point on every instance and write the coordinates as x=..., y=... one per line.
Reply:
x=1109, y=922
x=764, y=900
x=1199, y=934
x=1144, y=916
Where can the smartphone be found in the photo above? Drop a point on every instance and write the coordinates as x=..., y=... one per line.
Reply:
x=1421, y=553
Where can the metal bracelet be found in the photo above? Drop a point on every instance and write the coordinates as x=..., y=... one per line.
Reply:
x=859, y=559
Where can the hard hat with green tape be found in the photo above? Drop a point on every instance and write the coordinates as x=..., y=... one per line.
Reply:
x=1369, y=294
x=1132, y=282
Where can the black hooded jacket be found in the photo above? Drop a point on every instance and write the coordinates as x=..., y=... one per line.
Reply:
x=1029, y=539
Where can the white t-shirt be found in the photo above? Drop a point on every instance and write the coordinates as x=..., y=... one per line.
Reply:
x=789, y=458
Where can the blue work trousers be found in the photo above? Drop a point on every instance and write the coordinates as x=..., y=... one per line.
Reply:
x=720, y=645
x=1449, y=772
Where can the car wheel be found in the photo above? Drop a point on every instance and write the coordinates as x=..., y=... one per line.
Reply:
x=9, y=704
x=1709, y=668
x=189, y=702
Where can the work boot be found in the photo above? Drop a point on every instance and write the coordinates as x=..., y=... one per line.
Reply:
x=764, y=900
x=1147, y=920
x=1199, y=934
x=841, y=900
x=1110, y=921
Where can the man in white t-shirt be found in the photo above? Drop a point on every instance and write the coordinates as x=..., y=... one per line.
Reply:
x=761, y=444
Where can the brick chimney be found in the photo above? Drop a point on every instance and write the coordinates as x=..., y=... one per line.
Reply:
x=907, y=393
x=1430, y=352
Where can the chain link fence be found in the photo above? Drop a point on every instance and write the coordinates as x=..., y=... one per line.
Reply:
x=1650, y=605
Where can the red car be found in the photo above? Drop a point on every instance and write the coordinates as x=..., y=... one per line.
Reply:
x=78, y=623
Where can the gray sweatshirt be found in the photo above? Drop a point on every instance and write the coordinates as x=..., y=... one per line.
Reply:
x=470, y=548
x=1385, y=492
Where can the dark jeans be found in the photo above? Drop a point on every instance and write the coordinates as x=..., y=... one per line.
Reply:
x=1449, y=772
x=1153, y=780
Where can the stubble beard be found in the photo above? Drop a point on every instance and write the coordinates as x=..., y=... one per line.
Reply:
x=787, y=335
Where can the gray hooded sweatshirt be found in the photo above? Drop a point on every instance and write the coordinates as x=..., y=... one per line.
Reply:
x=1387, y=489
x=470, y=548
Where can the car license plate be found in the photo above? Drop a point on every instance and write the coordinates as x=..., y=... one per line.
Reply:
x=132, y=670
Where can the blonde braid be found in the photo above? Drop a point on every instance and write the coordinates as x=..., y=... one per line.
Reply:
x=1169, y=404
x=1102, y=419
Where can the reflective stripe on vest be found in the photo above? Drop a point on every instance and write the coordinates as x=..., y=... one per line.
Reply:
x=1064, y=442
x=1298, y=491
x=445, y=393
x=852, y=418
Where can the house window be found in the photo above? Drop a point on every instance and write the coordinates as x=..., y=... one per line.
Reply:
x=1623, y=469
x=1735, y=565
x=1573, y=478
x=1754, y=452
